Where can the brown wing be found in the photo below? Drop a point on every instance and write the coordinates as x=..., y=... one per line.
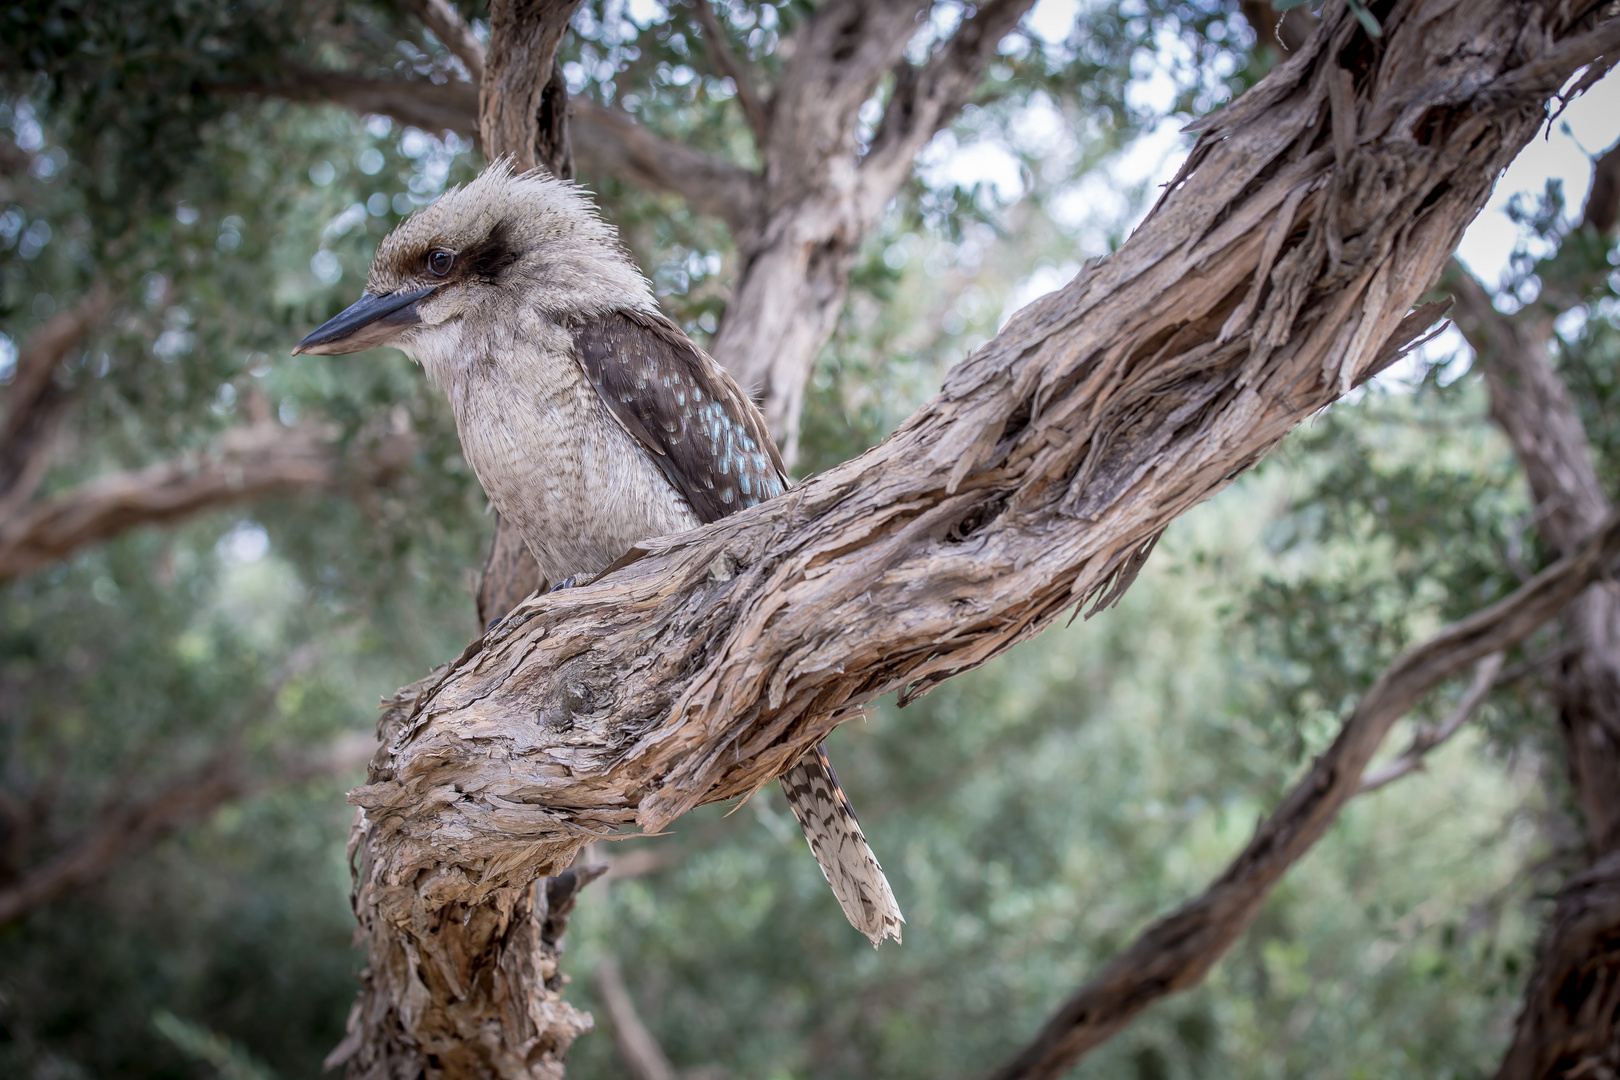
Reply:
x=685, y=410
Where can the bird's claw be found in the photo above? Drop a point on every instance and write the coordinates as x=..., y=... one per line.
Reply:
x=565, y=583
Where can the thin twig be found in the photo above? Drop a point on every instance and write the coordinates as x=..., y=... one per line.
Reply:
x=727, y=65
x=449, y=27
x=638, y=1046
x=1427, y=738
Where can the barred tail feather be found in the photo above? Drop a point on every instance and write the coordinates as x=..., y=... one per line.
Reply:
x=840, y=847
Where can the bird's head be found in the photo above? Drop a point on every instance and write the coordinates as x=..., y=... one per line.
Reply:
x=504, y=245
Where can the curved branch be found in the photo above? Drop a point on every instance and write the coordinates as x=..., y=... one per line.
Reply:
x=1177, y=951
x=1038, y=478
x=245, y=464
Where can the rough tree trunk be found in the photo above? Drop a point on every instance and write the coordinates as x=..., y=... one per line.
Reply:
x=492, y=967
x=820, y=195
x=1278, y=271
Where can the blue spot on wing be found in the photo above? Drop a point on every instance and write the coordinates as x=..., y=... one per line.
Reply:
x=712, y=443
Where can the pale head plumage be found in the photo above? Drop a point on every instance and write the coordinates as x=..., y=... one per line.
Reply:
x=514, y=238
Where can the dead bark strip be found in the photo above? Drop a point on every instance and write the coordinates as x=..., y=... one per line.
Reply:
x=1177, y=951
x=1277, y=272
x=248, y=463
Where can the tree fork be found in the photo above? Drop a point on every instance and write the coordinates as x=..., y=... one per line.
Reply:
x=1277, y=272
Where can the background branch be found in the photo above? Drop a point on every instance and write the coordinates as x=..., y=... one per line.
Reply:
x=1177, y=951
x=638, y=1047
x=244, y=464
x=728, y=66
x=441, y=17
x=123, y=830
x=34, y=401
x=1427, y=738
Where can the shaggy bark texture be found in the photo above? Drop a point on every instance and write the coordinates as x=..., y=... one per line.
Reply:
x=1278, y=272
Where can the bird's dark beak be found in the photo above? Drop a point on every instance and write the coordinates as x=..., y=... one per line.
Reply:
x=367, y=323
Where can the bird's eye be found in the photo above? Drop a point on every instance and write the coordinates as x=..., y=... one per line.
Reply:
x=439, y=262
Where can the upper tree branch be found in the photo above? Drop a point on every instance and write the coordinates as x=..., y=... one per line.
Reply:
x=728, y=66
x=522, y=105
x=610, y=142
x=246, y=463
x=926, y=98
x=34, y=401
x=441, y=17
x=1178, y=950
x=605, y=141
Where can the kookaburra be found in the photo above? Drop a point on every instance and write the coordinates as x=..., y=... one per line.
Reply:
x=591, y=419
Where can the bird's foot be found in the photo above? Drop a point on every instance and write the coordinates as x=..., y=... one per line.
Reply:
x=565, y=583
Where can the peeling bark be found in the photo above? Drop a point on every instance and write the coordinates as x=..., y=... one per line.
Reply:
x=1277, y=272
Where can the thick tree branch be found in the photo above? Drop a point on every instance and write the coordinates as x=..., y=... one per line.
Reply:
x=441, y=17
x=728, y=66
x=1568, y=1025
x=121, y=831
x=245, y=464
x=1177, y=951
x=1427, y=738
x=523, y=104
x=1274, y=275
x=34, y=400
